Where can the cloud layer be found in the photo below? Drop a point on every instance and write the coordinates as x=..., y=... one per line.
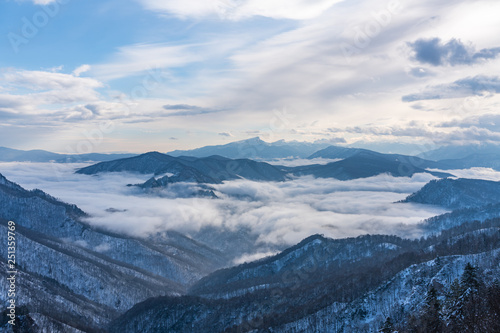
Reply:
x=470, y=86
x=281, y=214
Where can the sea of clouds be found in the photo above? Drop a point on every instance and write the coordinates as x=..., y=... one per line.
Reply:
x=279, y=213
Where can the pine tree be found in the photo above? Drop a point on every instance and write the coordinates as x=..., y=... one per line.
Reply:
x=493, y=305
x=388, y=326
x=454, y=307
x=469, y=279
x=471, y=302
x=464, y=306
x=431, y=317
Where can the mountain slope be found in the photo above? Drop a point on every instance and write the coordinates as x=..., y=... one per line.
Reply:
x=436, y=224
x=322, y=288
x=337, y=152
x=443, y=158
x=458, y=193
x=325, y=253
x=453, y=152
x=365, y=163
x=212, y=170
x=94, y=275
x=472, y=161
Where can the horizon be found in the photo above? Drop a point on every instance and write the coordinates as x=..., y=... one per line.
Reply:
x=404, y=149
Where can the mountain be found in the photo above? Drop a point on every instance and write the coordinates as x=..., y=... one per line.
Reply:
x=455, y=152
x=486, y=157
x=325, y=285
x=14, y=155
x=436, y=224
x=458, y=193
x=73, y=276
x=334, y=152
x=211, y=170
x=472, y=161
x=364, y=163
x=255, y=148
x=216, y=169
x=175, y=187
x=267, y=272
x=389, y=147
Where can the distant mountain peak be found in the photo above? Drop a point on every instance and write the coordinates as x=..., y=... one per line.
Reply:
x=255, y=148
x=255, y=139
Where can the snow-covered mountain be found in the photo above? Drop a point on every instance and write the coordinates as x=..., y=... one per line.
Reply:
x=472, y=161
x=255, y=148
x=458, y=193
x=71, y=273
x=324, y=285
x=211, y=170
x=456, y=152
x=76, y=278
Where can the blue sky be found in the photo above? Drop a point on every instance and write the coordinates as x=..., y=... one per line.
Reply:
x=140, y=75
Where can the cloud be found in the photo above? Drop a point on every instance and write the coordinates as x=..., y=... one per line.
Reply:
x=146, y=59
x=226, y=134
x=238, y=10
x=80, y=70
x=293, y=162
x=428, y=132
x=474, y=173
x=46, y=81
x=488, y=121
x=186, y=110
x=43, y=2
x=253, y=257
x=470, y=86
x=454, y=52
x=45, y=94
x=252, y=62
x=420, y=72
x=279, y=213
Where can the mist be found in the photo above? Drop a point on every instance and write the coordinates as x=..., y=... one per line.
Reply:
x=277, y=213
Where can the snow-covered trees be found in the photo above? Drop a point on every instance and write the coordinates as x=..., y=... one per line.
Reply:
x=468, y=305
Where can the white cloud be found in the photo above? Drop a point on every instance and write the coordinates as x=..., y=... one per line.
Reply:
x=237, y=10
x=281, y=213
x=43, y=2
x=48, y=98
x=81, y=69
x=474, y=173
x=143, y=58
x=46, y=81
x=293, y=162
x=252, y=257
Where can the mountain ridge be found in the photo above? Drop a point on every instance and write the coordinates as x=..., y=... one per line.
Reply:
x=255, y=148
x=43, y=156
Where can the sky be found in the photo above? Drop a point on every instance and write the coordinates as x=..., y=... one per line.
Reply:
x=140, y=75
